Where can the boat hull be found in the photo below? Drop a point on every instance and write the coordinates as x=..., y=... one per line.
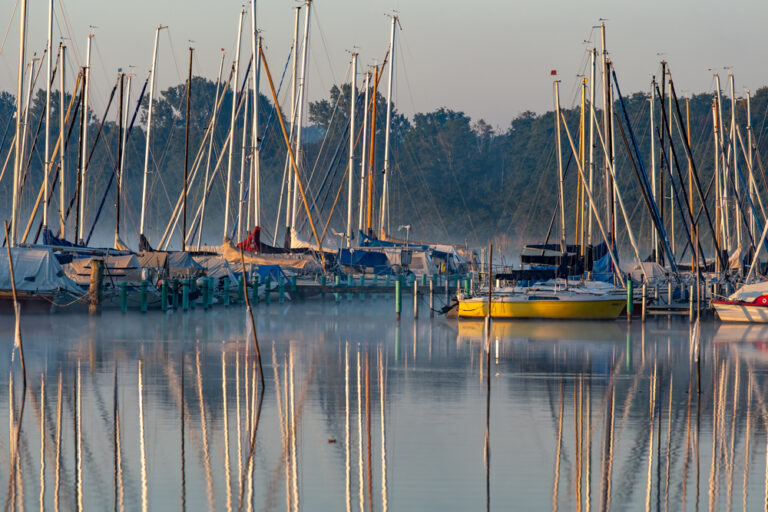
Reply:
x=589, y=309
x=740, y=312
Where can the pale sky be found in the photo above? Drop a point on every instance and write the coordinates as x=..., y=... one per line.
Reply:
x=488, y=58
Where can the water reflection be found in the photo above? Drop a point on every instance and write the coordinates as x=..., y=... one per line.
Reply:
x=361, y=413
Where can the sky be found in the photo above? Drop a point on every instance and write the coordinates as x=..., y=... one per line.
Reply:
x=488, y=58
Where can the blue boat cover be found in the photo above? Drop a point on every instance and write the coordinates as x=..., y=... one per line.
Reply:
x=365, y=261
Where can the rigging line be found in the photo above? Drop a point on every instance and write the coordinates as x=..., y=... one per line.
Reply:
x=70, y=33
x=173, y=54
x=329, y=129
x=8, y=29
x=316, y=19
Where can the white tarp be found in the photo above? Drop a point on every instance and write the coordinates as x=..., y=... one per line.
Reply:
x=35, y=270
x=116, y=268
x=750, y=291
x=653, y=270
x=216, y=267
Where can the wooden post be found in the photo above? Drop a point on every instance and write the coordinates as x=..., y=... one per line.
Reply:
x=398, y=298
x=94, y=290
x=16, y=308
x=415, y=299
x=431, y=298
x=690, y=305
x=645, y=286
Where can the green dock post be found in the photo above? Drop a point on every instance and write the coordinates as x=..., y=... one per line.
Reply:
x=630, y=297
x=255, y=291
x=466, y=286
x=267, y=294
x=206, y=287
x=240, y=288
x=398, y=299
x=192, y=291
x=293, y=284
x=424, y=280
x=144, y=286
x=175, y=292
x=124, y=297
x=362, y=286
x=185, y=294
x=323, y=281
x=337, y=295
x=226, y=291
x=164, y=295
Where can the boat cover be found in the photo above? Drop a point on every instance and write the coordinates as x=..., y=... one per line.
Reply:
x=750, y=291
x=371, y=262
x=36, y=271
x=215, y=266
x=116, y=268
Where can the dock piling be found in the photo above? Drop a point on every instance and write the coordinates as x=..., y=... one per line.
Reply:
x=398, y=298
x=226, y=291
x=415, y=299
x=642, y=308
x=94, y=291
x=185, y=295
x=432, y=296
x=164, y=295
x=123, y=297
x=144, y=285
x=630, y=297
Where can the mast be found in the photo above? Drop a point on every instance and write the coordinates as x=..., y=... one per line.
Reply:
x=718, y=188
x=563, y=247
x=80, y=156
x=592, y=120
x=46, y=159
x=235, y=79
x=84, y=141
x=361, y=206
x=210, y=148
x=63, y=141
x=17, y=156
x=120, y=147
x=369, y=225
x=241, y=184
x=608, y=132
x=654, y=239
x=149, y=131
x=735, y=154
x=351, y=177
x=383, y=225
x=582, y=160
x=186, y=156
x=256, y=159
x=125, y=145
x=662, y=146
x=294, y=75
x=723, y=168
x=669, y=152
x=300, y=109
x=752, y=191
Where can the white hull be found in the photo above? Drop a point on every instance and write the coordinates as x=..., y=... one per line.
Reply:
x=741, y=313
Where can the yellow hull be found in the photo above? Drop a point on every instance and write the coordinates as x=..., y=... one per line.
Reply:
x=589, y=309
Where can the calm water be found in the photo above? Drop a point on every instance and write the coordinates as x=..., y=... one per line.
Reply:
x=164, y=412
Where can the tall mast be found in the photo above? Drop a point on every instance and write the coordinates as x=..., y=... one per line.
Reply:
x=723, y=167
x=62, y=139
x=120, y=148
x=582, y=161
x=592, y=120
x=255, y=189
x=752, y=191
x=210, y=148
x=125, y=143
x=383, y=225
x=241, y=184
x=662, y=146
x=351, y=170
x=718, y=187
x=84, y=141
x=669, y=152
x=149, y=131
x=186, y=155
x=735, y=154
x=607, y=132
x=369, y=225
x=235, y=79
x=80, y=156
x=300, y=110
x=563, y=247
x=47, y=162
x=361, y=206
x=294, y=76
x=17, y=157
x=654, y=239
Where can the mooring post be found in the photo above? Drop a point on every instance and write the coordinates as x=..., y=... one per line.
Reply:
x=669, y=292
x=144, y=286
x=280, y=289
x=206, y=287
x=362, y=287
x=185, y=295
x=255, y=288
x=124, y=297
x=642, y=308
x=322, y=285
x=432, y=297
x=268, y=286
x=226, y=291
x=424, y=280
x=192, y=291
x=293, y=283
x=630, y=297
x=94, y=291
x=175, y=292
x=415, y=299
x=350, y=284
x=398, y=298
x=164, y=295
x=337, y=283
x=240, y=288
x=690, y=305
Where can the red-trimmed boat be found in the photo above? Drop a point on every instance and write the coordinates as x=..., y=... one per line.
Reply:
x=749, y=304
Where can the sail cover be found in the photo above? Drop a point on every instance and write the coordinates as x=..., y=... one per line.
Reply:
x=35, y=271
